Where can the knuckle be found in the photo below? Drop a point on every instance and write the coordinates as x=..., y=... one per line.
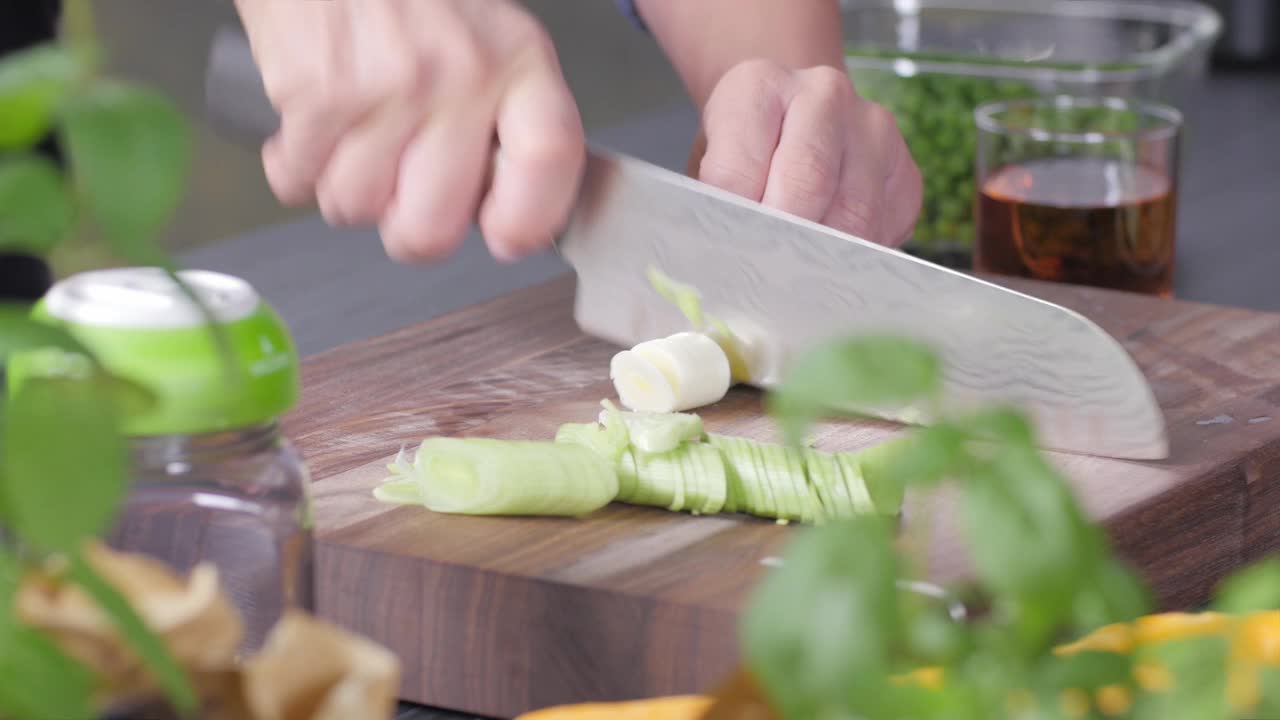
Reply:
x=742, y=175
x=352, y=204
x=466, y=64
x=398, y=76
x=853, y=215
x=535, y=42
x=426, y=245
x=521, y=234
x=560, y=146
x=882, y=120
x=810, y=176
x=755, y=74
x=829, y=83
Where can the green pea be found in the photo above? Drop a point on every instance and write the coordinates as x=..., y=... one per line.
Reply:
x=952, y=209
x=923, y=233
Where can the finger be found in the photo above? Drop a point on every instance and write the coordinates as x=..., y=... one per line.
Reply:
x=541, y=163
x=743, y=124
x=805, y=170
x=856, y=208
x=360, y=176
x=314, y=111
x=904, y=197
x=439, y=184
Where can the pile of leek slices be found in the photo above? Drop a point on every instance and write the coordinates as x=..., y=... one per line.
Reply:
x=654, y=453
x=665, y=460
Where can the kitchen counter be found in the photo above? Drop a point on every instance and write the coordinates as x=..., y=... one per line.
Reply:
x=336, y=286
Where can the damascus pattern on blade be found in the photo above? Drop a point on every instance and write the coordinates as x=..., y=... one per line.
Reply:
x=796, y=283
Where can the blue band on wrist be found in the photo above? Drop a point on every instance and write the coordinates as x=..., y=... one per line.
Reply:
x=628, y=8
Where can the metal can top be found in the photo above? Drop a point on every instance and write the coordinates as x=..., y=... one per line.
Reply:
x=148, y=298
x=141, y=326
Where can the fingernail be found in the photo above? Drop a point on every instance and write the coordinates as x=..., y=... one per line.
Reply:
x=505, y=254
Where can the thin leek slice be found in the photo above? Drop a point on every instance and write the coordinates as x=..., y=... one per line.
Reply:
x=483, y=476
x=777, y=484
x=790, y=484
x=657, y=432
x=628, y=482
x=684, y=297
x=691, y=477
x=640, y=384
x=656, y=478
x=744, y=475
x=824, y=475
x=830, y=484
x=403, y=491
x=609, y=441
x=734, y=494
x=687, y=300
x=851, y=474
x=695, y=367
x=767, y=501
x=715, y=477
x=887, y=494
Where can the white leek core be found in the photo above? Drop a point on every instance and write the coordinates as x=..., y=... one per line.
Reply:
x=680, y=372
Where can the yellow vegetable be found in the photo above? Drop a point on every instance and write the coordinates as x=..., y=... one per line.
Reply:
x=1254, y=638
x=678, y=707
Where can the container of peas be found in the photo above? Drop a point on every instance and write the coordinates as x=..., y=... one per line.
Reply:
x=932, y=62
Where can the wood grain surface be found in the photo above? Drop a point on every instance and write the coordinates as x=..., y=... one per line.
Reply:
x=496, y=616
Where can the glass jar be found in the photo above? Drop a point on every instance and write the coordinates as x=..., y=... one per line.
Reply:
x=237, y=499
x=214, y=479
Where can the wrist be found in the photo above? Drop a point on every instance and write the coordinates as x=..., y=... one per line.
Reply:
x=706, y=39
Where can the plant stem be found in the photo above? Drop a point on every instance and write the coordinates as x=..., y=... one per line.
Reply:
x=81, y=32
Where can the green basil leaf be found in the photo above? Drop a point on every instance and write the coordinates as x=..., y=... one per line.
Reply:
x=130, y=152
x=818, y=631
x=925, y=457
x=1256, y=587
x=19, y=332
x=1198, y=691
x=1085, y=670
x=1115, y=594
x=1269, y=703
x=854, y=376
x=32, y=84
x=40, y=681
x=10, y=574
x=1017, y=502
x=155, y=655
x=1003, y=425
x=36, y=212
x=63, y=462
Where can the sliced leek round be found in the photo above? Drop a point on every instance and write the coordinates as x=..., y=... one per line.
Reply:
x=680, y=372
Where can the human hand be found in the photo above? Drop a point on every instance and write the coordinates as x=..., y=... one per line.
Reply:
x=806, y=143
x=389, y=111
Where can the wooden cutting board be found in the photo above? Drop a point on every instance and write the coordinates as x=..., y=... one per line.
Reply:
x=496, y=616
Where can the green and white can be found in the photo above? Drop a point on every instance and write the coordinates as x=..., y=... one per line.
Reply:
x=215, y=481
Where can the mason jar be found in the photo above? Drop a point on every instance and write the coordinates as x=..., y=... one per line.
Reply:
x=214, y=480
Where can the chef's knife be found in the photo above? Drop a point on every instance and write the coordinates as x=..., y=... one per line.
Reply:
x=787, y=284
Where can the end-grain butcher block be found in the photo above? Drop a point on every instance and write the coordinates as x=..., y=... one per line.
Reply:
x=500, y=615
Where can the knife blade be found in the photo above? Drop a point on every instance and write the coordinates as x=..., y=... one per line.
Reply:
x=788, y=284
